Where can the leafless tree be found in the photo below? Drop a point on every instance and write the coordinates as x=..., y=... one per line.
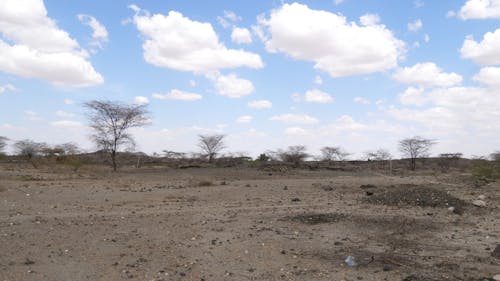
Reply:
x=415, y=147
x=68, y=148
x=446, y=160
x=294, y=154
x=378, y=155
x=333, y=153
x=495, y=156
x=111, y=122
x=211, y=145
x=29, y=149
x=3, y=143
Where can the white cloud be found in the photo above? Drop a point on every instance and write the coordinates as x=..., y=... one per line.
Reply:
x=178, y=95
x=241, y=35
x=67, y=124
x=369, y=19
x=317, y=96
x=413, y=96
x=336, y=46
x=232, y=86
x=480, y=9
x=489, y=76
x=99, y=31
x=232, y=16
x=140, y=100
x=486, y=52
x=418, y=3
x=176, y=42
x=456, y=109
x=244, y=119
x=426, y=74
x=192, y=83
x=68, y=102
x=64, y=114
x=7, y=87
x=295, y=119
x=361, y=100
x=427, y=38
x=345, y=123
x=32, y=116
x=33, y=46
x=338, y=2
x=260, y=104
x=318, y=80
x=415, y=26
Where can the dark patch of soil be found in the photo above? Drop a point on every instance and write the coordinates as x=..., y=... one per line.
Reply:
x=413, y=195
x=318, y=218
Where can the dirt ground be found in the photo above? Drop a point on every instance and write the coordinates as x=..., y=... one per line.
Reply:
x=244, y=224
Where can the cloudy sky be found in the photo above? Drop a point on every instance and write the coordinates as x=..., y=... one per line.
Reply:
x=361, y=74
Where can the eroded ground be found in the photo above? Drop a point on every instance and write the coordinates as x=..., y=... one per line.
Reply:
x=244, y=224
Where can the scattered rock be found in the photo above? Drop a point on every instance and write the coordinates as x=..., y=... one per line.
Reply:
x=369, y=193
x=481, y=197
x=295, y=199
x=479, y=203
x=496, y=277
x=28, y=262
x=367, y=186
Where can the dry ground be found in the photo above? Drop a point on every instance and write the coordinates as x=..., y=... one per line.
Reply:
x=244, y=224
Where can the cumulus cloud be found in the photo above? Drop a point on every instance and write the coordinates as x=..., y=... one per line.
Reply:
x=489, y=76
x=486, y=52
x=413, y=96
x=336, y=46
x=178, y=95
x=369, y=19
x=99, y=31
x=260, y=104
x=177, y=42
x=244, y=119
x=480, y=9
x=415, y=26
x=69, y=102
x=317, y=96
x=232, y=86
x=241, y=35
x=426, y=74
x=7, y=87
x=295, y=119
x=296, y=131
x=33, y=46
x=455, y=108
x=140, y=100
x=318, y=80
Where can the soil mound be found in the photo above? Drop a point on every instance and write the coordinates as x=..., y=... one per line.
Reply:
x=417, y=196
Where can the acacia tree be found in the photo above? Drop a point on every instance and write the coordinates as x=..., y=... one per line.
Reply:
x=294, y=154
x=111, y=121
x=3, y=143
x=333, y=153
x=414, y=148
x=378, y=155
x=211, y=145
x=29, y=149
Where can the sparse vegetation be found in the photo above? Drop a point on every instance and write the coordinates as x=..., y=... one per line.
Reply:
x=333, y=153
x=296, y=154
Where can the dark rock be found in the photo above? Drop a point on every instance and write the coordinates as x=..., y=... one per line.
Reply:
x=496, y=252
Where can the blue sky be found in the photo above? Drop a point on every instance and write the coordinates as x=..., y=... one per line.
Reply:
x=268, y=74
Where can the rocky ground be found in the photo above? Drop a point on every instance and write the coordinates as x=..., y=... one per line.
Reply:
x=245, y=224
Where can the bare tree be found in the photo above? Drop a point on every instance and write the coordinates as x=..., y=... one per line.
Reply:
x=111, y=122
x=294, y=154
x=29, y=149
x=3, y=143
x=415, y=147
x=211, y=145
x=495, y=156
x=333, y=153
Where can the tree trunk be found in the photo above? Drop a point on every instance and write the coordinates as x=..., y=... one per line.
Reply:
x=113, y=159
x=413, y=164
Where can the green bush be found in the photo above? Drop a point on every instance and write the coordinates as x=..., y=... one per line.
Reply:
x=486, y=170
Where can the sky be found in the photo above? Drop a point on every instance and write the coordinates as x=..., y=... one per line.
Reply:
x=360, y=74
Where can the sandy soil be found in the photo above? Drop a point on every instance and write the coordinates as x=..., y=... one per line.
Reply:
x=244, y=224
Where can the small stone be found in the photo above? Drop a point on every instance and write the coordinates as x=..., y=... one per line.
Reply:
x=451, y=209
x=296, y=200
x=481, y=197
x=369, y=193
x=496, y=277
x=479, y=203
